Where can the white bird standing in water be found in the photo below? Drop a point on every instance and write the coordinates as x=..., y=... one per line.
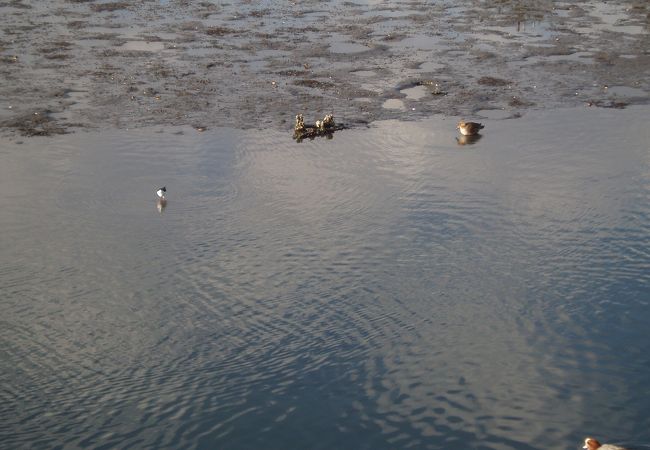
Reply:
x=161, y=192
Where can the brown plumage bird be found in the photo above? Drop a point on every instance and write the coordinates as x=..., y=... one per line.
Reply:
x=593, y=444
x=469, y=128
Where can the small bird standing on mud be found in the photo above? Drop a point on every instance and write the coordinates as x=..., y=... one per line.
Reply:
x=161, y=192
x=469, y=128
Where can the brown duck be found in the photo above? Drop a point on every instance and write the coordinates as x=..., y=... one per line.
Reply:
x=469, y=128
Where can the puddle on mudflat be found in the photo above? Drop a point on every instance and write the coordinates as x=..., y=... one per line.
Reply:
x=420, y=42
x=283, y=275
x=577, y=57
x=143, y=46
x=347, y=47
x=394, y=103
x=526, y=32
x=430, y=66
x=365, y=73
x=202, y=52
x=611, y=17
x=416, y=92
x=626, y=91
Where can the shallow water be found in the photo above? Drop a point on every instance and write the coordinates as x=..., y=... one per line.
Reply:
x=387, y=288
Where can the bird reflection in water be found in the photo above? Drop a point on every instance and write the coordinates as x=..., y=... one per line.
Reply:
x=161, y=204
x=468, y=140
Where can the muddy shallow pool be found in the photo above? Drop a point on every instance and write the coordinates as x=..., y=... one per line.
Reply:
x=392, y=287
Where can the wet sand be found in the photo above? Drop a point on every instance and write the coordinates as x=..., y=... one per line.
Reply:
x=76, y=64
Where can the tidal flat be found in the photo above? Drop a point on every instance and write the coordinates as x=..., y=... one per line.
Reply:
x=74, y=64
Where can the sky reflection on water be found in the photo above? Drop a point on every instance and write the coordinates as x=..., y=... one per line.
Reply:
x=387, y=288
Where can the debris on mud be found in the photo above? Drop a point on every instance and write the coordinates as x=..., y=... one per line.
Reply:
x=325, y=127
x=34, y=124
x=114, y=6
x=435, y=87
x=608, y=104
x=493, y=81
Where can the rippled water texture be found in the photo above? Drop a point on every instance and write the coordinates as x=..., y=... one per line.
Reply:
x=388, y=288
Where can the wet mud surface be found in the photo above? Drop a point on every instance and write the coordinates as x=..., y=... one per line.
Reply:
x=73, y=64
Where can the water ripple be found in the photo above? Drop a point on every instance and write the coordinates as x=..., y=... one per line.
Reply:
x=381, y=289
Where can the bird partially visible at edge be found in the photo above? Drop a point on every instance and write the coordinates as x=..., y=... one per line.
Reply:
x=593, y=444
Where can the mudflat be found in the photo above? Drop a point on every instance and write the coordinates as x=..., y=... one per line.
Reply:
x=74, y=64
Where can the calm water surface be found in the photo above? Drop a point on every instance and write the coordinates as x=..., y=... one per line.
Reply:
x=386, y=289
